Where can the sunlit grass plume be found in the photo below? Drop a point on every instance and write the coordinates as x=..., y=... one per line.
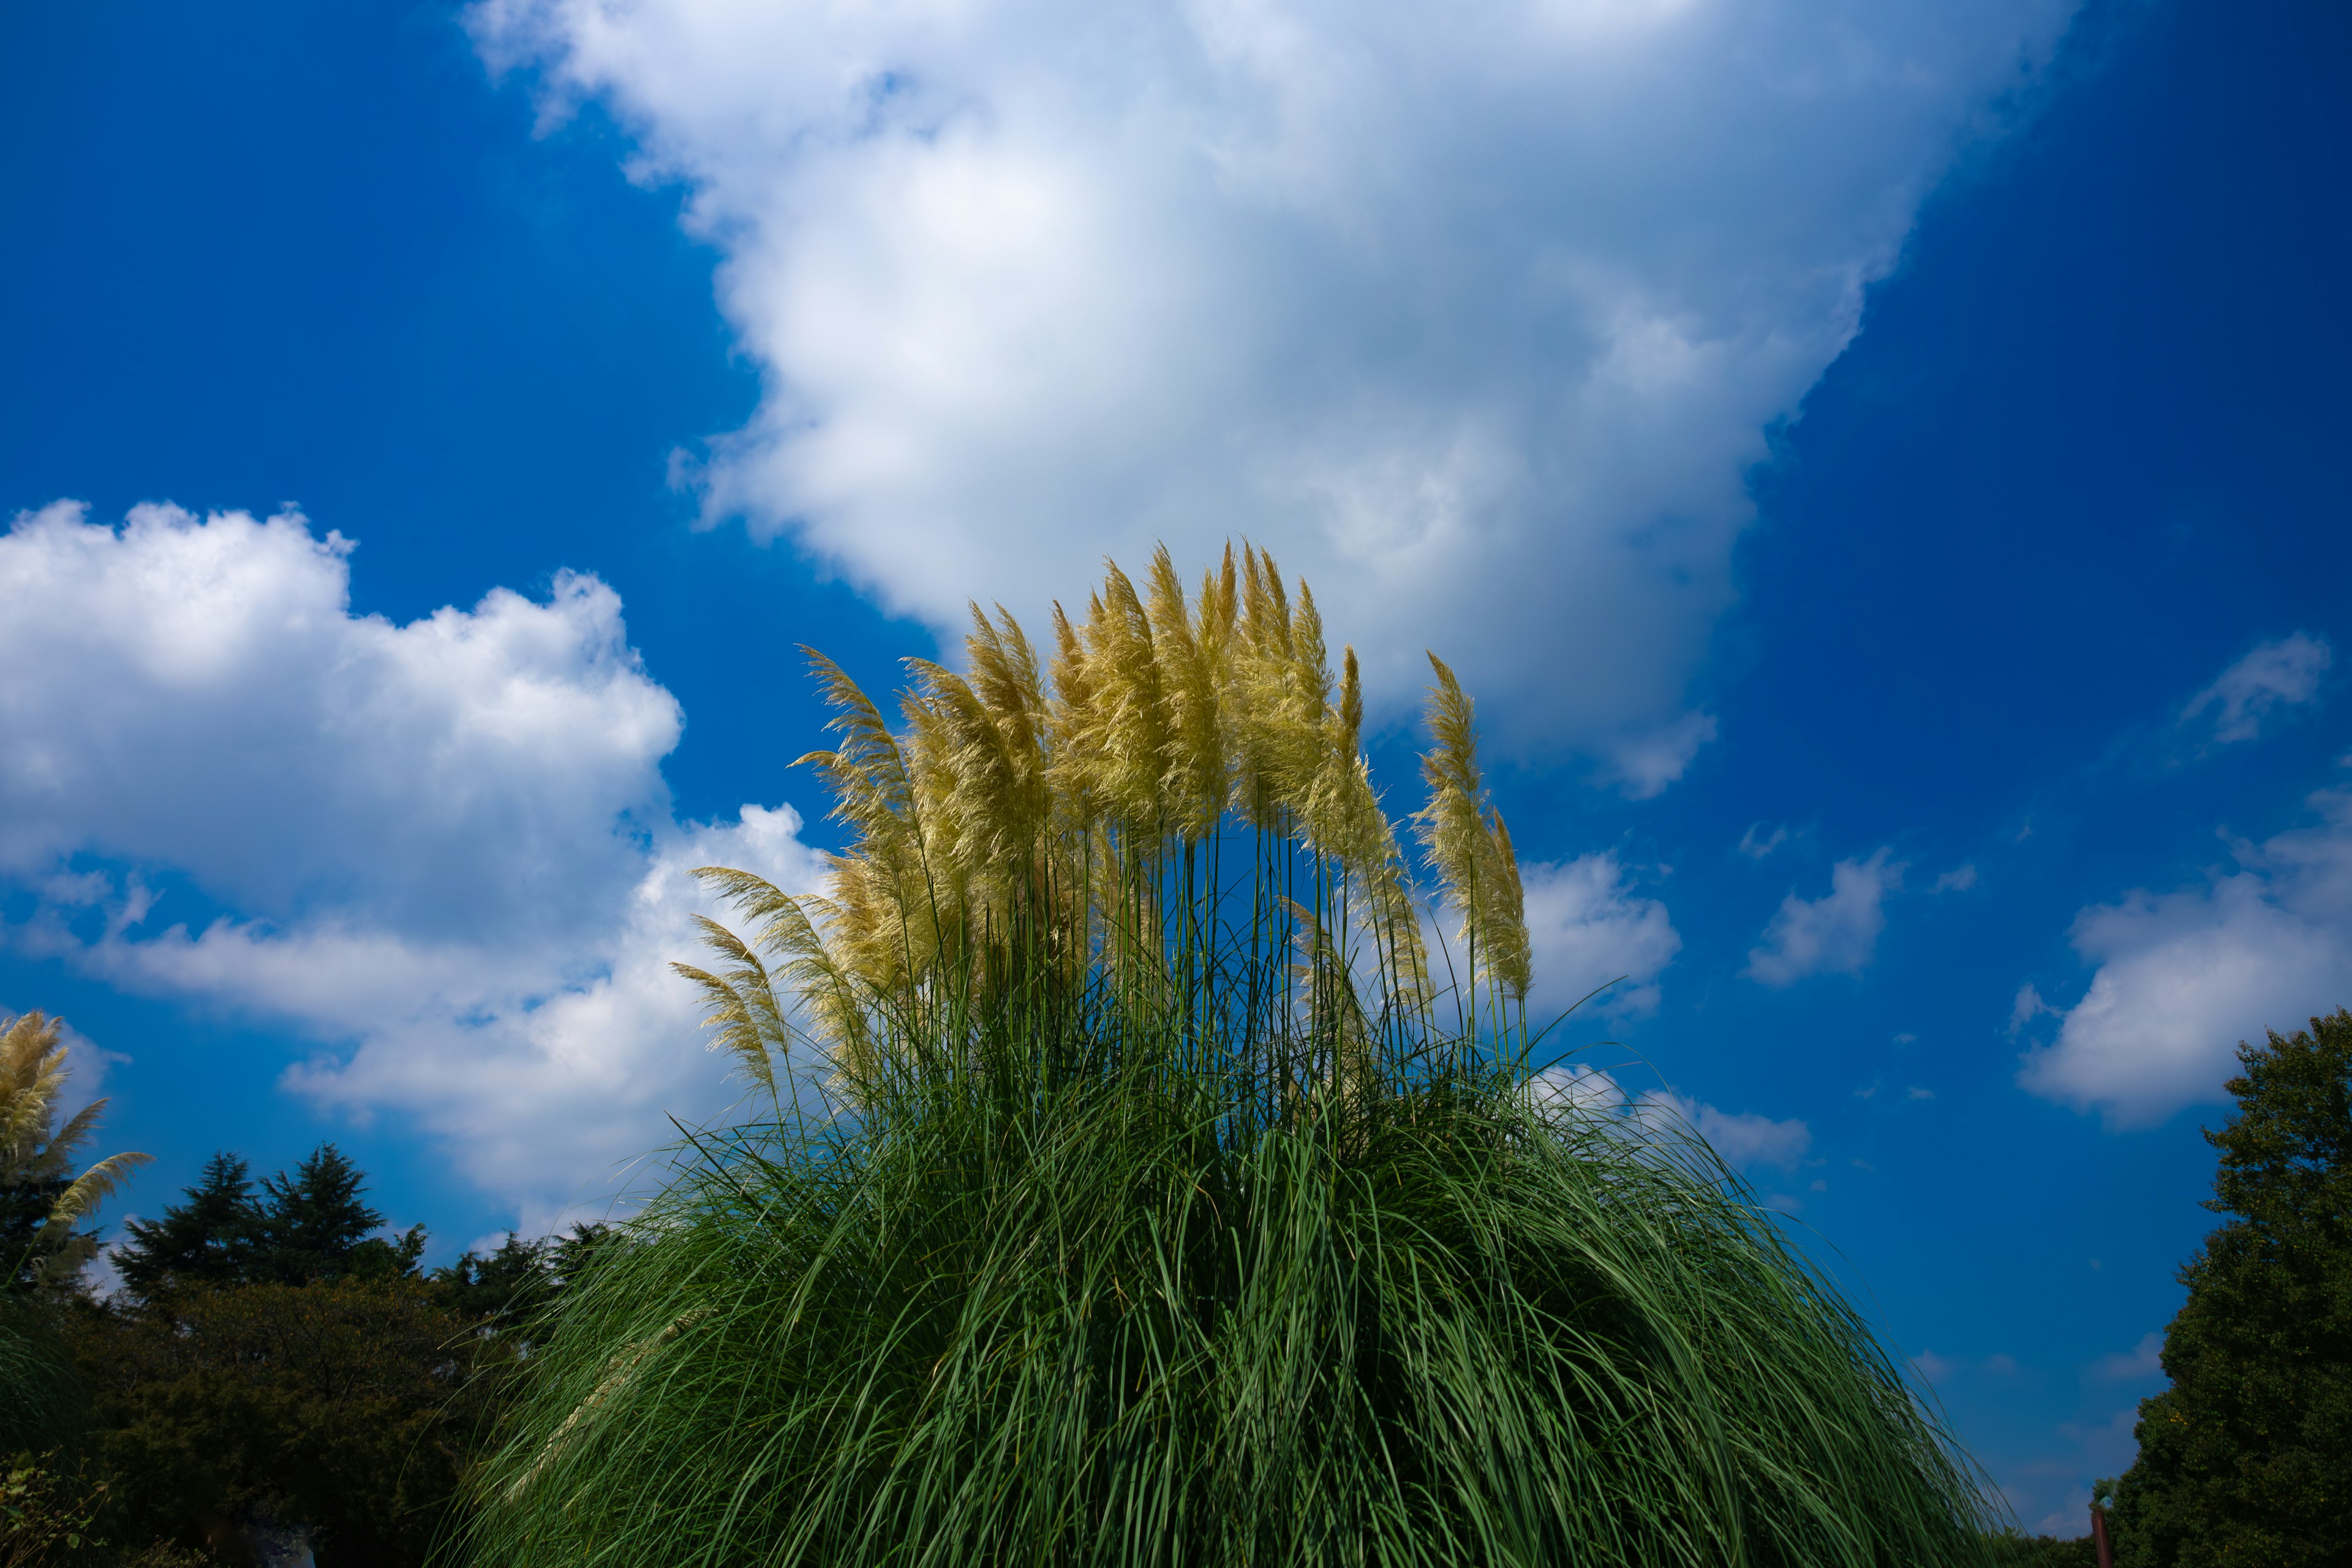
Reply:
x=1135, y=1183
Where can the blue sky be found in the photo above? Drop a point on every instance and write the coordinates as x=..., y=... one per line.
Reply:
x=1882, y=470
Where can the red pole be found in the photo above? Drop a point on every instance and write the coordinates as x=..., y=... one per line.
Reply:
x=2099, y=1536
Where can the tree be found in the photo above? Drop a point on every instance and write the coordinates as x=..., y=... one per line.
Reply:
x=211, y=1237
x=273, y=1363
x=41, y=1201
x=503, y=1288
x=2247, y=1458
x=349, y=1405
x=311, y=1225
x=312, y=1221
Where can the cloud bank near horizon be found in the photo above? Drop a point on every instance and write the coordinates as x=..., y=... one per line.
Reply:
x=1475, y=318
x=443, y=851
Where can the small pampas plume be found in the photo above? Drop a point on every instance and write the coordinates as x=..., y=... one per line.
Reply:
x=1470, y=847
x=37, y=1154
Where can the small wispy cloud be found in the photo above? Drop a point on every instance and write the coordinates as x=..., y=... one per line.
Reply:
x=2144, y=1359
x=2183, y=975
x=1644, y=761
x=2276, y=676
x=2028, y=1006
x=1757, y=844
x=1943, y=1369
x=1834, y=934
x=1745, y=1139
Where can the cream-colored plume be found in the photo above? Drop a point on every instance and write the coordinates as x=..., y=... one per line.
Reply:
x=1010, y=832
x=36, y=1153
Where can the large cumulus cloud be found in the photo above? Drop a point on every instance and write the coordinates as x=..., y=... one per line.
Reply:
x=1476, y=313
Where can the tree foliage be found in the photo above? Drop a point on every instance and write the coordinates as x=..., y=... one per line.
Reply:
x=350, y=1405
x=514, y=1286
x=2246, y=1460
x=272, y=1360
x=311, y=1224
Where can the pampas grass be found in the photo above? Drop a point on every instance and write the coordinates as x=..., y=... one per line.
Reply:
x=1130, y=1187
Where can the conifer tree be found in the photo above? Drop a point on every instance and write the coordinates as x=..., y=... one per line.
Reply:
x=312, y=1221
x=309, y=1225
x=211, y=1237
x=2246, y=1460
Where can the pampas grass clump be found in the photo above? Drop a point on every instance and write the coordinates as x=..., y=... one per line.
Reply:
x=1135, y=1187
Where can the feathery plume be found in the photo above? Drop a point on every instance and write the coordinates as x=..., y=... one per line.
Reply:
x=35, y=1153
x=1032, y=823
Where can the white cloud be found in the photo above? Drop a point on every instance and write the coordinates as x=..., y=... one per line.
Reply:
x=2275, y=675
x=1476, y=315
x=1743, y=1139
x=197, y=695
x=1833, y=934
x=2144, y=1359
x=1644, y=761
x=1958, y=880
x=1942, y=1370
x=1587, y=927
x=1757, y=844
x=442, y=850
x=2183, y=976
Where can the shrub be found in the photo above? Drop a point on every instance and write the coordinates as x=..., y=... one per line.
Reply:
x=1128, y=1190
x=49, y=1511
x=351, y=1405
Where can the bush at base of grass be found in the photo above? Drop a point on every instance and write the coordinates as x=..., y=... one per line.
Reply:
x=1097, y=1325
x=1158, y=1217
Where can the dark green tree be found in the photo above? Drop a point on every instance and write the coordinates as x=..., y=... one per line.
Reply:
x=574, y=1253
x=274, y=1361
x=2246, y=1460
x=309, y=1225
x=515, y=1285
x=211, y=1237
x=350, y=1405
x=313, y=1221
x=501, y=1288
x=2011, y=1549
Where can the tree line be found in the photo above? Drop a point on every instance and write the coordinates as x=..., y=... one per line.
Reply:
x=269, y=1356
